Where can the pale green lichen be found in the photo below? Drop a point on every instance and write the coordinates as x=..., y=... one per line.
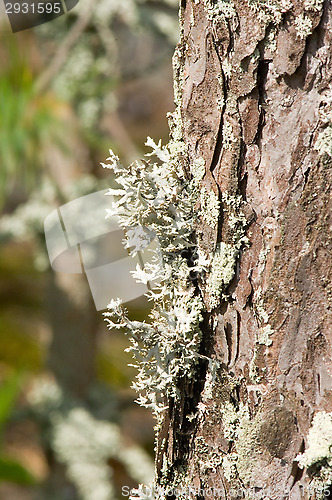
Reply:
x=303, y=26
x=323, y=142
x=208, y=457
x=178, y=76
x=220, y=80
x=210, y=380
x=229, y=466
x=159, y=197
x=264, y=331
x=231, y=418
x=270, y=40
x=227, y=67
x=198, y=169
x=84, y=444
x=223, y=261
x=208, y=386
x=222, y=271
x=156, y=197
x=212, y=463
x=315, y=5
x=220, y=103
x=235, y=419
x=263, y=336
x=270, y=10
x=319, y=447
x=217, y=8
x=318, y=455
x=210, y=207
x=236, y=220
x=253, y=369
x=303, y=23
x=247, y=446
x=259, y=306
x=228, y=136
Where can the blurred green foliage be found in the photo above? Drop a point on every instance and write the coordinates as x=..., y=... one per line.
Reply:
x=10, y=469
x=28, y=123
x=21, y=287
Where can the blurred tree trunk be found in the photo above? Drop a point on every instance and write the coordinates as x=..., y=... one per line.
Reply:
x=255, y=83
x=73, y=320
x=71, y=310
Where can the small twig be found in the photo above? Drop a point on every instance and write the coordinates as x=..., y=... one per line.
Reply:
x=113, y=124
x=60, y=57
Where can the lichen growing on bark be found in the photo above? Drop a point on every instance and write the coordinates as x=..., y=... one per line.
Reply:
x=155, y=196
x=219, y=8
x=222, y=272
x=315, y=5
x=270, y=10
x=317, y=458
x=303, y=26
x=210, y=207
x=323, y=143
x=198, y=169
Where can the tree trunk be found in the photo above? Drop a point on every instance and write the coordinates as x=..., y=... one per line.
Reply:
x=253, y=86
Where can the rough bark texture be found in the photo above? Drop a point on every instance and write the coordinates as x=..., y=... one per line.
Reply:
x=253, y=83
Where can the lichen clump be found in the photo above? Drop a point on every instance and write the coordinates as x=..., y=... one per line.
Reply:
x=323, y=143
x=303, y=26
x=157, y=197
x=315, y=5
x=222, y=271
x=198, y=169
x=219, y=8
x=270, y=10
x=222, y=263
x=210, y=207
x=318, y=455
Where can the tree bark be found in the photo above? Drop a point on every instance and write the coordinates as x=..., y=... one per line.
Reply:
x=253, y=84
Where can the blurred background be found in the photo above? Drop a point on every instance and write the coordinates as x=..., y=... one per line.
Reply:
x=96, y=78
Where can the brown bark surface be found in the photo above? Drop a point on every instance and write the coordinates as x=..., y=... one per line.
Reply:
x=253, y=110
